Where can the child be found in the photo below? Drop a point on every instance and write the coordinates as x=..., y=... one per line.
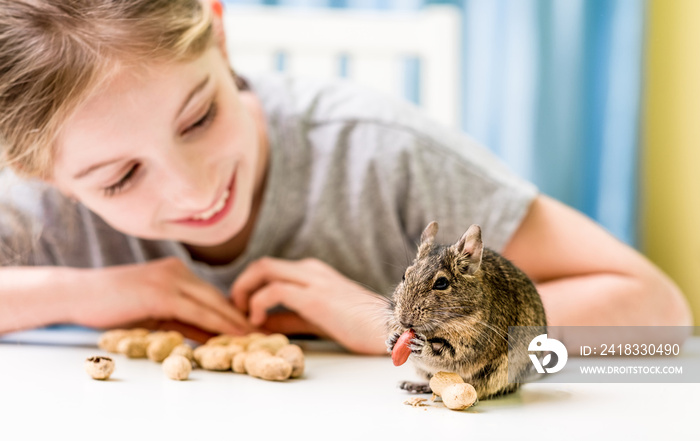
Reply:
x=146, y=183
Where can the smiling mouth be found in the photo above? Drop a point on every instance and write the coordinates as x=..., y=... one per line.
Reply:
x=220, y=204
x=217, y=211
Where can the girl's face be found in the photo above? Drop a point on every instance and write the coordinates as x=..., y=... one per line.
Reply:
x=171, y=152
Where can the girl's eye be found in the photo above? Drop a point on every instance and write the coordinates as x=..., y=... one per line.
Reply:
x=123, y=182
x=203, y=121
x=441, y=283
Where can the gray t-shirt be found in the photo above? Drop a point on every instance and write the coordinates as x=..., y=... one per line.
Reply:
x=354, y=179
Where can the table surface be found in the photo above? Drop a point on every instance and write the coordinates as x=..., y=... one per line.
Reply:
x=44, y=393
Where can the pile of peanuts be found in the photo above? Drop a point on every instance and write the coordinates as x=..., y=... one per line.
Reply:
x=455, y=393
x=269, y=357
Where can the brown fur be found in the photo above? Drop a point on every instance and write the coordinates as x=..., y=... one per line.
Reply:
x=463, y=328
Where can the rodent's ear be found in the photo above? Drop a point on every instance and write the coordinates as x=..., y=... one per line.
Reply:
x=470, y=249
x=427, y=237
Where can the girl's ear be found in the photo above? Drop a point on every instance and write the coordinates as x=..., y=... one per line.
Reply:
x=218, y=8
x=218, y=23
x=52, y=182
x=50, y=179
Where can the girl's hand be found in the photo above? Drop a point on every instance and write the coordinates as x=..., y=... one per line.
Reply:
x=323, y=302
x=158, y=294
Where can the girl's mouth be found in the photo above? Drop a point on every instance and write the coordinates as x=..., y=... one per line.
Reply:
x=215, y=209
x=217, y=212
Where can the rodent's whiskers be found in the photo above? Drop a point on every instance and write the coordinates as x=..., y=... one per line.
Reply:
x=374, y=311
x=394, y=265
x=368, y=288
x=448, y=312
x=428, y=326
x=497, y=331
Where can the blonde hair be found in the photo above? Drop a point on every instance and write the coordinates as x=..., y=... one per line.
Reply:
x=54, y=54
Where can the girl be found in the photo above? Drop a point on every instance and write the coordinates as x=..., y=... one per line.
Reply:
x=146, y=183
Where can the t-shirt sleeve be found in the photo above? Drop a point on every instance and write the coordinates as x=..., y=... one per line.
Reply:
x=19, y=239
x=397, y=158
x=457, y=182
x=39, y=227
x=23, y=236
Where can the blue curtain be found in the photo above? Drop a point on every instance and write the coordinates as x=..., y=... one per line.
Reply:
x=553, y=87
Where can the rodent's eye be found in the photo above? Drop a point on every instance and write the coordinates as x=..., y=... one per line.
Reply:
x=441, y=283
x=403, y=278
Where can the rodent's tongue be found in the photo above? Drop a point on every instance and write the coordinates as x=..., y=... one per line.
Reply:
x=401, y=351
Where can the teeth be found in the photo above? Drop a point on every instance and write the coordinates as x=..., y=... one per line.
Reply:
x=215, y=209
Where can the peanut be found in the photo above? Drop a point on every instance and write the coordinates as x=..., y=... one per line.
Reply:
x=216, y=358
x=219, y=340
x=155, y=335
x=295, y=356
x=238, y=363
x=109, y=340
x=442, y=379
x=177, y=367
x=162, y=344
x=269, y=357
x=271, y=343
x=458, y=396
x=262, y=364
x=133, y=346
x=99, y=367
x=243, y=340
x=255, y=336
x=240, y=340
x=185, y=350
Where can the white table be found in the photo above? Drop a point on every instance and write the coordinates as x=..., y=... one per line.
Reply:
x=45, y=394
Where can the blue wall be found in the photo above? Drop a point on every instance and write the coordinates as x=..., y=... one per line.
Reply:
x=552, y=87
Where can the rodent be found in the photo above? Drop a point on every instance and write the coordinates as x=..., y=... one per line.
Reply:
x=460, y=300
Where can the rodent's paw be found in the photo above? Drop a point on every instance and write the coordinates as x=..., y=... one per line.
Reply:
x=391, y=341
x=417, y=343
x=415, y=388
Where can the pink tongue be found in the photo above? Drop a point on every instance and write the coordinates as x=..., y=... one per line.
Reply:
x=401, y=351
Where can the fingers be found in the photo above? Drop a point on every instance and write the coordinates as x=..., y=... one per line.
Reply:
x=186, y=310
x=210, y=297
x=290, y=323
x=261, y=273
x=275, y=294
x=163, y=289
